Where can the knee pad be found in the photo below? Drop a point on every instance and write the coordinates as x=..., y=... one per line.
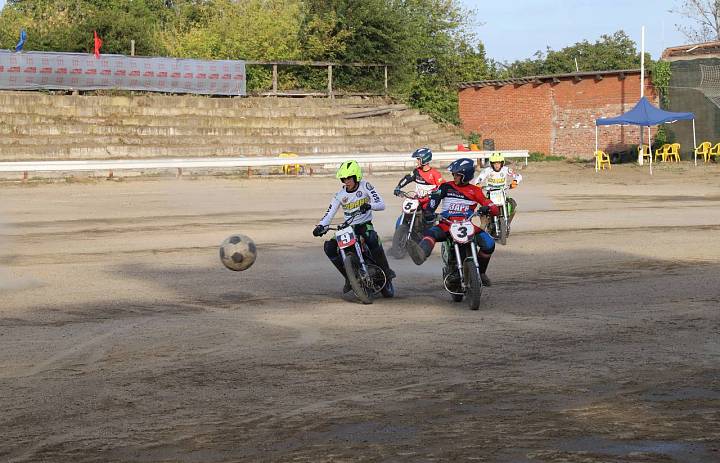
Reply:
x=371, y=239
x=331, y=249
x=436, y=233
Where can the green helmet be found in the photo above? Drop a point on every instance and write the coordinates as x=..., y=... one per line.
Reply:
x=497, y=157
x=349, y=169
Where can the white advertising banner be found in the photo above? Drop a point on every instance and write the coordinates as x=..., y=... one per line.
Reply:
x=81, y=71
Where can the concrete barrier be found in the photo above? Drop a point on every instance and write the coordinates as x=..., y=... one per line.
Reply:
x=366, y=159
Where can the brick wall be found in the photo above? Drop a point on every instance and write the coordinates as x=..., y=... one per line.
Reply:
x=554, y=118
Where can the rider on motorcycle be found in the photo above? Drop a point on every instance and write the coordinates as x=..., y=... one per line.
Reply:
x=458, y=197
x=498, y=175
x=426, y=178
x=355, y=195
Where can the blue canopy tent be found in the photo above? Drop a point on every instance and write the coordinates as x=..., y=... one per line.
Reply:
x=645, y=114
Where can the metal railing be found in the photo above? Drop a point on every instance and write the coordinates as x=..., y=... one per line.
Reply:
x=329, y=65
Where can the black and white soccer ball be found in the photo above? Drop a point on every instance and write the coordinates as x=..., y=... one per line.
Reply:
x=238, y=252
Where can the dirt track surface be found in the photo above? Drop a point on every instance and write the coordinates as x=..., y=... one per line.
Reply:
x=122, y=338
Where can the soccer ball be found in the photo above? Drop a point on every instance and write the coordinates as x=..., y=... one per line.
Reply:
x=238, y=252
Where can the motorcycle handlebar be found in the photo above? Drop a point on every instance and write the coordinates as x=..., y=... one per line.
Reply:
x=410, y=195
x=343, y=224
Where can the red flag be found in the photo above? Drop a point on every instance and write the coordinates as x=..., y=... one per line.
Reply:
x=98, y=44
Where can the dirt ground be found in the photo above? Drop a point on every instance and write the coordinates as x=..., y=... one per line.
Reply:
x=122, y=337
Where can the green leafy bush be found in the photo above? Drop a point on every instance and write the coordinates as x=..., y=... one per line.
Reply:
x=474, y=138
x=537, y=156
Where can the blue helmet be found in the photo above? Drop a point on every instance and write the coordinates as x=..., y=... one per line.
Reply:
x=423, y=154
x=464, y=167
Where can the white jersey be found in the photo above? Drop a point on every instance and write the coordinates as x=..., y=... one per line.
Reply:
x=350, y=202
x=489, y=179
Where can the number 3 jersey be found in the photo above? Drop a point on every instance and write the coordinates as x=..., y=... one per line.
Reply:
x=350, y=202
x=459, y=199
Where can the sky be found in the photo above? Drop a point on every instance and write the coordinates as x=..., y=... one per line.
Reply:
x=515, y=29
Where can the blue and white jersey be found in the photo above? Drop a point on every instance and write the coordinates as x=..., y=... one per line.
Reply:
x=351, y=202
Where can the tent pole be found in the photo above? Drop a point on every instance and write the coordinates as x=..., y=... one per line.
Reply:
x=642, y=62
x=694, y=142
x=596, y=148
x=650, y=148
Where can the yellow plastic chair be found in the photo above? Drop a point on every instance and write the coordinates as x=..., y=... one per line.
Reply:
x=662, y=152
x=288, y=168
x=645, y=151
x=715, y=151
x=673, y=153
x=601, y=160
x=704, y=150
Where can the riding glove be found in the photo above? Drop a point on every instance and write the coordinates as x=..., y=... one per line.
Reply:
x=319, y=230
x=365, y=207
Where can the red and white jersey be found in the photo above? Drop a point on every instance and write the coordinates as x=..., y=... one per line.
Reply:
x=350, y=202
x=492, y=180
x=425, y=181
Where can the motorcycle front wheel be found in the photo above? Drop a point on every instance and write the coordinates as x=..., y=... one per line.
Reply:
x=354, y=276
x=399, y=242
x=474, y=284
x=503, y=231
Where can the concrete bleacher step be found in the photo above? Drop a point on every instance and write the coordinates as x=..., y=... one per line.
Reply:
x=78, y=152
x=41, y=126
x=7, y=142
x=46, y=130
x=18, y=99
x=126, y=111
x=200, y=121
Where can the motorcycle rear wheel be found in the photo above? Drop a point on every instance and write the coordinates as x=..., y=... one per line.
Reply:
x=474, y=284
x=353, y=272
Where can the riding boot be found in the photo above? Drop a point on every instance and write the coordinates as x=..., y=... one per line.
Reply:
x=378, y=255
x=419, y=252
x=338, y=263
x=483, y=261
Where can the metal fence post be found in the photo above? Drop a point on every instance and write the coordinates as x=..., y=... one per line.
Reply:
x=386, y=86
x=274, y=79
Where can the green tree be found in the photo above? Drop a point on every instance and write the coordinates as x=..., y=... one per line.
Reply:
x=616, y=51
x=226, y=29
x=68, y=25
x=425, y=41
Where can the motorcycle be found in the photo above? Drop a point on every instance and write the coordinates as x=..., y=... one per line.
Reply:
x=410, y=226
x=366, y=278
x=461, y=275
x=499, y=226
